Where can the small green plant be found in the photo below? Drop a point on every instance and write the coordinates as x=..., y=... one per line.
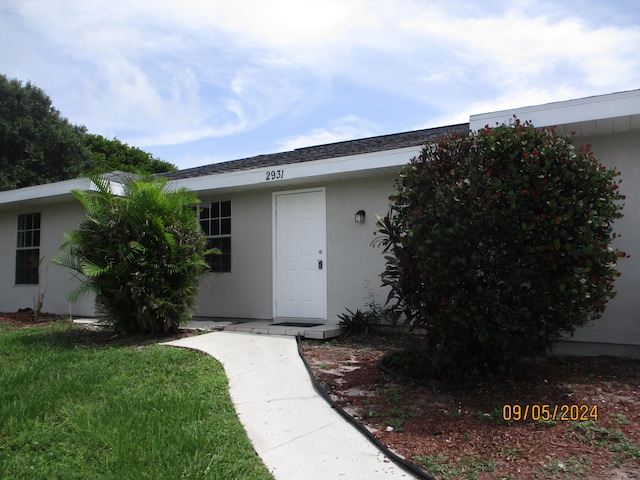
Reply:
x=397, y=424
x=402, y=412
x=588, y=432
x=370, y=414
x=613, y=440
x=573, y=466
x=547, y=423
x=511, y=453
x=435, y=465
x=620, y=418
x=354, y=323
x=376, y=312
x=399, y=416
x=366, y=320
x=467, y=468
x=391, y=395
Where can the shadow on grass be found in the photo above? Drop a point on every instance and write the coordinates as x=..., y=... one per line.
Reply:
x=63, y=334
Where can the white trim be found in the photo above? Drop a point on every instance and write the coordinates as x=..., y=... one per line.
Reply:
x=274, y=273
x=614, y=105
x=43, y=191
x=295, y=172
x=50, y=191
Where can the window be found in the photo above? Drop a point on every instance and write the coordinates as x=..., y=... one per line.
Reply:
x=215, y=220
x=28, y=249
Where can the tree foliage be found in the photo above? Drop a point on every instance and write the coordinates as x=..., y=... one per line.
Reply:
x=111, y=155
x=38, y=145
x=498, y=244
x=141, y=253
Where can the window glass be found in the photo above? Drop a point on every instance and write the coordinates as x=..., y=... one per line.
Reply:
x=215, y=220
x=28, y=249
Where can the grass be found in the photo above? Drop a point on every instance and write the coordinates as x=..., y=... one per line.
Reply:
x=72, y=411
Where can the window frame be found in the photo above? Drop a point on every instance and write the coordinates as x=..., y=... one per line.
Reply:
x=215, y=218
x=28, y=241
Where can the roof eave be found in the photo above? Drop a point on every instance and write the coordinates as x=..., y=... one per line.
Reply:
x=49, y=192
x=55, y=192
x=363, y=165
x=598, y=115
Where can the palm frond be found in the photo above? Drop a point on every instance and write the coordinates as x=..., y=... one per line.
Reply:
x=90, y=269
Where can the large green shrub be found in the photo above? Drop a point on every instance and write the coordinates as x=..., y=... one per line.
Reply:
x=498, y=244
x=141, y=253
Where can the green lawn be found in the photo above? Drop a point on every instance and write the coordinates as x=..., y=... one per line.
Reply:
x=73, y=411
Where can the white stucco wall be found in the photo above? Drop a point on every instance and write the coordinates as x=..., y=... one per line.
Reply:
x=353, y=264
x=56, y=282
x=620, y=323
x=247, y=292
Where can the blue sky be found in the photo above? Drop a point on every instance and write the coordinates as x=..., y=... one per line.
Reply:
x=201, y=81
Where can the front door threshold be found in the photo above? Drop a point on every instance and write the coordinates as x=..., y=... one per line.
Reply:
x=305, y=328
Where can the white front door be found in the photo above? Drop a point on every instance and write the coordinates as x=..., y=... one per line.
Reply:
x=300, y=269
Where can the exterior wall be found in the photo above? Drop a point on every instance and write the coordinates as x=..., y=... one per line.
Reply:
x=352, y=264
x=620, y=324
x=246, y=292
x=55, y=281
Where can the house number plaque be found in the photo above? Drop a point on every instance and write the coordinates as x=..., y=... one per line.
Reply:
x=274, y=175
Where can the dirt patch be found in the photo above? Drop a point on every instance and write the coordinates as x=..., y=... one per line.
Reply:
x=87, y=334
x=464, y=434
x=26, y=318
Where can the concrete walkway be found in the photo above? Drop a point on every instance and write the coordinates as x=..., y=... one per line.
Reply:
x=293, y=429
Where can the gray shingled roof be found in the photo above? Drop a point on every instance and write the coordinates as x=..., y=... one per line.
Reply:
x=120, y=176
x=321, y=152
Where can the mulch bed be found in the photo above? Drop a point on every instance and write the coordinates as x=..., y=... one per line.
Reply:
x=462, y=434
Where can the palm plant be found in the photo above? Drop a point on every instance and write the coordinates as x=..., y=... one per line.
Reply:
x=141, y=253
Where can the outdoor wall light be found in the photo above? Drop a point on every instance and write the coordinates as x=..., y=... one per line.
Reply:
x=360, y=216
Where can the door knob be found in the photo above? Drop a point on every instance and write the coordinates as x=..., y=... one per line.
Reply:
x=319, y=264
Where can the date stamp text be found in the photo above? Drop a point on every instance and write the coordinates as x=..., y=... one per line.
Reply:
x=543, y=412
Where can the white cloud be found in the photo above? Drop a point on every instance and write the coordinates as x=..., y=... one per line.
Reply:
x=347, y=128
x=167, y=72
x=522, y=57
x=279, y=23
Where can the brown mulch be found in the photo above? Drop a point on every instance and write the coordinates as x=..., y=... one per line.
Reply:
x=462, y=434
